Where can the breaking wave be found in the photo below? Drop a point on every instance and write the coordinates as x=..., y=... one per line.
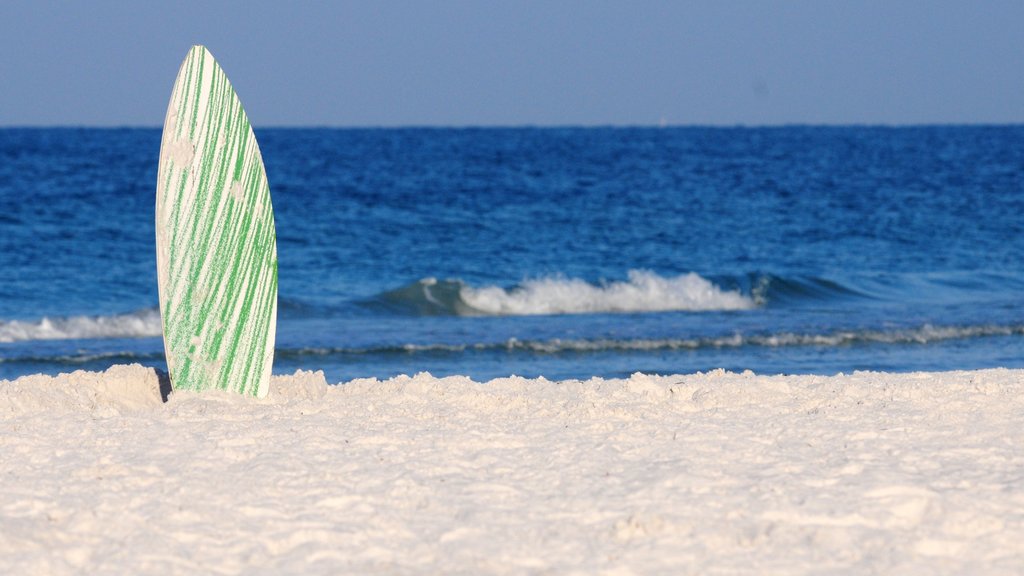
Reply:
x=642, y=292
x=138, y=324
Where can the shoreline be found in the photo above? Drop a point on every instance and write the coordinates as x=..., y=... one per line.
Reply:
x=702, y=473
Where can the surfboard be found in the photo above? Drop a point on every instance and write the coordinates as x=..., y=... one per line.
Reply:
x=216, y=246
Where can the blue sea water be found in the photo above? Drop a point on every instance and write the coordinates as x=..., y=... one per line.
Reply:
x=564, y=253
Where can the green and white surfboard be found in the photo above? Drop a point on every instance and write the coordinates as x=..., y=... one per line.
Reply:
x=216, y=245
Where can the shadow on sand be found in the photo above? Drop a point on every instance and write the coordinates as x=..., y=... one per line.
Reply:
x=165, y=384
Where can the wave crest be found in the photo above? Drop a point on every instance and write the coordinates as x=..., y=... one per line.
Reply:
x=642, y=292
x=138, y=324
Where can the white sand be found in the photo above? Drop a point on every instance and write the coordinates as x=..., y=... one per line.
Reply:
x=707, y=474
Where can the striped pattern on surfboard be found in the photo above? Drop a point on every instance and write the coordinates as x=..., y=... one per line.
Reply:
x=215, y=238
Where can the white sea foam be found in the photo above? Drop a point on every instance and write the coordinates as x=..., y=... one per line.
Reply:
x=643, y=292
x=139, y=324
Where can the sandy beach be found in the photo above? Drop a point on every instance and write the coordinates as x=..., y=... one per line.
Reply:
x=714, y=473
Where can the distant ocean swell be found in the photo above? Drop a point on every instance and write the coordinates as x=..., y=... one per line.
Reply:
x=921, y=335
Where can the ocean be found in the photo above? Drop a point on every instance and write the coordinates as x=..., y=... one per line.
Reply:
x=555, y=252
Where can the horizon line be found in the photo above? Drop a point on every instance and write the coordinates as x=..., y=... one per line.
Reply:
x=529, y=126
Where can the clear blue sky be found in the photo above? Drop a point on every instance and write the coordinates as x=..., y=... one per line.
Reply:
x=522, y=62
